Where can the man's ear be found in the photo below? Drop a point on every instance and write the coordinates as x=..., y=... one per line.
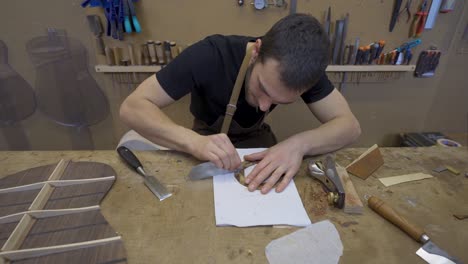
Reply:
x=256, y=50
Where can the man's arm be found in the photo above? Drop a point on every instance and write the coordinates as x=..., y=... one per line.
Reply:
x=339, y=128
x=141, y=111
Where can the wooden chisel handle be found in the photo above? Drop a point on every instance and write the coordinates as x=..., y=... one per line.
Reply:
x=395, y=218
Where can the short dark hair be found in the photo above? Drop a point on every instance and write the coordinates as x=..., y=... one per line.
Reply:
x=299, y=43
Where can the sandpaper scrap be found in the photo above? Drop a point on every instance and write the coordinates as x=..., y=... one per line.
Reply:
x=317, y=243
x=388, y=181
x=367, y=163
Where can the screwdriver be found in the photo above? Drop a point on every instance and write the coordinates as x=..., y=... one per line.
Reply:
x=419, y=20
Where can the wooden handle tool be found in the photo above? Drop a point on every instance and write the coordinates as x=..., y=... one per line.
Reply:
x=395, y=218
x=109, y=56
x=117, y=55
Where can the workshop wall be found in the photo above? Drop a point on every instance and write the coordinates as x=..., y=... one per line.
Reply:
x=384, y=109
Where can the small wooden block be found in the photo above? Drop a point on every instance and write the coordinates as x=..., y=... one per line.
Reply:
x=353, y=204
x=367, y=163
x=452, y=170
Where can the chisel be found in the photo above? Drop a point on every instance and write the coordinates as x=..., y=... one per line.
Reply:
x=155, y=186
x=429, y=251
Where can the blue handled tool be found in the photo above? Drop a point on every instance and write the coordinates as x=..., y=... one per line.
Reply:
x=120, y=15
x=127, y=23
x=135, y=23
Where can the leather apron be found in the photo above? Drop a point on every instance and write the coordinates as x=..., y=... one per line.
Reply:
x=257, y=136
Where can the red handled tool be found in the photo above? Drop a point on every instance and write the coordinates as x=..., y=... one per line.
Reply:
x=417, y=27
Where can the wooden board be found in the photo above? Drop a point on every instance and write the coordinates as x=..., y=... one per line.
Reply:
x=366, y=163
x=48, y=214
x=353, y=204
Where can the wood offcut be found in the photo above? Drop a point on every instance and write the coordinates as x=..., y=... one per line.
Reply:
x=367, y=163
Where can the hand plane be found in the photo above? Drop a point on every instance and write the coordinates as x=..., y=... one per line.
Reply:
x=327, y=174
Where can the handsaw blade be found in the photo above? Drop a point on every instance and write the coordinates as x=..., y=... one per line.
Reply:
x=431, y=253
x=157, y=188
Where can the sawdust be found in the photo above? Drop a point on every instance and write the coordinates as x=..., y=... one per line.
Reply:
x=348, y=223
x=316, y=199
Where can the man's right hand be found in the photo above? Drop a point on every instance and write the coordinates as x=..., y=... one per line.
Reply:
x=217, y=149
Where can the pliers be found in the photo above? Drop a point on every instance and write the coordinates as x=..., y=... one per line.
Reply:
x=407, y=8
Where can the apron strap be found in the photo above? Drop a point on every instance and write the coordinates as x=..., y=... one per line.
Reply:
x=231, y=107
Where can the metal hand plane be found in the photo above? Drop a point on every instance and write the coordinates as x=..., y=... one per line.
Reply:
x=327, y=174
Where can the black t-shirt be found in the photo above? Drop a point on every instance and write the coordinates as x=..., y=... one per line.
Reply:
x=208, y=70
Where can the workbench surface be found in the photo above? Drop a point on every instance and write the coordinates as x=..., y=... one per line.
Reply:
x=181, y=229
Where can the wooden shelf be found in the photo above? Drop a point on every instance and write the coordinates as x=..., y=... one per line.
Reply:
x=330, y=68
x=133, y=68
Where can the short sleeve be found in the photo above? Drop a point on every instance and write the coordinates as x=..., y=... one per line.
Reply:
x=319, y=91
x=188, y=70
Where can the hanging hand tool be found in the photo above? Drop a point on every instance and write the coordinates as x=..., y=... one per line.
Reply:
x=366, y=54
x=155, y=186
x=339, y=25
x=406, y=9
x=408, y=56
x=380, y=48
x=432, y=14
x=109, y=56
x=417, y=27
x=293, y=6
x=395, y=12
x=373, y=52
x=167, y=51
x=359, y=56
x=352, y=61
x=327, y=174
x=160, y=52
x=95, y=26
x=151, y=46
x=131, y=21
x=120, y=15
x=174, y=49
x=427, y=63
x=343, y=39
x=327, y=24
x=429, y=251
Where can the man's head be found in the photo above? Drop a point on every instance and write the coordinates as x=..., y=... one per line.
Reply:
x=288, y=60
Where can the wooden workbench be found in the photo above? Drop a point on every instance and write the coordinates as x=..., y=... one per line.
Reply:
x=182, y=228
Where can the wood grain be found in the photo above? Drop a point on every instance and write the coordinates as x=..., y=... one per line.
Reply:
x=353, y=204
x=5, y=231
x=64, y=187
x=11, y=203
x=29, y=176
x=367, y=163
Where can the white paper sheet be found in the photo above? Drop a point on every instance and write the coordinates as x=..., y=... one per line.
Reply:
x=235, y=205
x=319, y=243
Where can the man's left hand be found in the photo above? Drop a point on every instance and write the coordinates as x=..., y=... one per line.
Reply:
x=284, y=158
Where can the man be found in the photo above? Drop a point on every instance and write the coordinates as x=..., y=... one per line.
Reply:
x=286, y=64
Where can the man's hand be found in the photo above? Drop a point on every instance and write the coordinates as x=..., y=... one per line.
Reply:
x=284, y=158
x=217, y=149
